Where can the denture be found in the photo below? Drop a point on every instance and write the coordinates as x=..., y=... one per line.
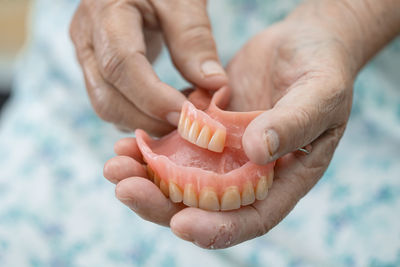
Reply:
x=202, y=163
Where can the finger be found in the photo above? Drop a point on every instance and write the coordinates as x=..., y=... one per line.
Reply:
x=111, y=105
x=215, y=230
x=296, y=175
x=191, y=43
x=296, y=120
x=128, y=147
x=122, y=167
x=120, y=51
x=146, y=199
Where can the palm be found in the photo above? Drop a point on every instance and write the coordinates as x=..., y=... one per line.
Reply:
x=262, y=74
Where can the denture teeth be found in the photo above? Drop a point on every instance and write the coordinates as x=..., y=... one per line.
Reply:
x=270, y=178
x=262, y=188
x=150, y=173
x=248, y=196
x=194, y=132
x=189, y=196
x=157, y=180
x=204, y=137
x=175, y=194
x=186, y=128
x=181, y=122
x=208, y=199
x=217, y=141
x=164, y=188
x=231, y=199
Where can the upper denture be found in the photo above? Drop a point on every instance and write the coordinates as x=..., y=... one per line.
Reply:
x=211, y=171
x=200, y=129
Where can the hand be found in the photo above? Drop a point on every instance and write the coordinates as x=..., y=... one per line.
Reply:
x=116, y=41
x=302, y=70
x=301, y=75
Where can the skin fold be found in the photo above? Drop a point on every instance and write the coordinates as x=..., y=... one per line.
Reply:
x=301, y=71
x=116, y=41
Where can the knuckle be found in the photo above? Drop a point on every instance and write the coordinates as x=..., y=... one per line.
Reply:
x=198, y=37
x=112, y=64
x=303, y=121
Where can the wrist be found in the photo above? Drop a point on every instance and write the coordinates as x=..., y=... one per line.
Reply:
x=362, y=27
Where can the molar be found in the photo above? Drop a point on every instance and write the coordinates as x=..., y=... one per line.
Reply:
x=262, y=188
x=157, y=180
x=270, y=178
x=186, y=128
x=150, y=173
x=164, y=188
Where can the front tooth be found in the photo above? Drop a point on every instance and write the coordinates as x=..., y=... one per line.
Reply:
x=270, y=178
x=186, y=128
x=208, y=199
x=156, y=180
x=248, y=196
x=262, y=188
x=164, y=188
x=189, y=196
x=231, y=199
x=194, y=132
x=175, y=194
x=204, y=137
x=181, y=122
x=217, y=142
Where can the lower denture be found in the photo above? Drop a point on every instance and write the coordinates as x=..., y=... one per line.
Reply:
x=189, y=173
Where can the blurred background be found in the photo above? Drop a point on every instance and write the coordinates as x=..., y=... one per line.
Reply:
x=56, y=209
x=13, y=15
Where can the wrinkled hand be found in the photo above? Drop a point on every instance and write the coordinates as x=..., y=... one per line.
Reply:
x=301, y=75
x=116, y=41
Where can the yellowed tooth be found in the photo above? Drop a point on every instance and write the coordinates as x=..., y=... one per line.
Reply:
x=175, y=194
x=181, y=122
x=156, y=180
x=164, y=188
x=204, y=137
x=186, y=128
x=150, y=173
x=270, y=178
x=217, y=141
x=208, y=199
x=194, y=132
x=189, y=196
x=231, y=199
x=248, y=196
x=262, y=188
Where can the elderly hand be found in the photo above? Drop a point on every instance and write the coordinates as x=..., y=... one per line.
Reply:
x=116, y=41
x=302, y=71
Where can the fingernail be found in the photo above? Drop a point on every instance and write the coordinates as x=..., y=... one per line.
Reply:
x=211, y=68
x=173, y=118
x=271, y=139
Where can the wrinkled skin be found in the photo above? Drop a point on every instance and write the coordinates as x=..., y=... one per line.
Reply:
x=301, y=75
x=116, y=41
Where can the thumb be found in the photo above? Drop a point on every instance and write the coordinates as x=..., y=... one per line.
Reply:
x=295, y=121
x=188, y=35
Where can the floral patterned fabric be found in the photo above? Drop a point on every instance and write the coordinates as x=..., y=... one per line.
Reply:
x=57, y=210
